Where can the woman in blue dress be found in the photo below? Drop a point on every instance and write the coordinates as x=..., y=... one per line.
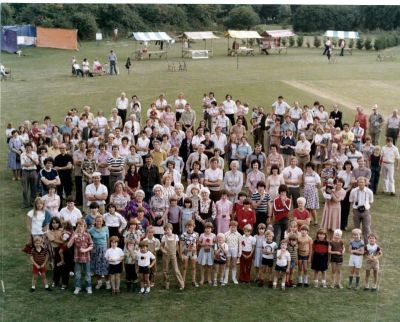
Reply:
x=14, y=155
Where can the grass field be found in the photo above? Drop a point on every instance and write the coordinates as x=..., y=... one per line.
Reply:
x=42, y=85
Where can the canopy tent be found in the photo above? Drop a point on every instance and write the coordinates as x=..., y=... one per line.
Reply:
x=241, y=34
x=8, y=41
x=272, y=39
x=57, y=38
x=197, y=35
x=151, y=36
x=146, y=37
x=342, y=34
x=26, y=34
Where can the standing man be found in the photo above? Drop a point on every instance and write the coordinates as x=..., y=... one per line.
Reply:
x=328, y=44
x=393, y=126
x=116, y=164
x=188, y=117
x=280, y=108
x=389, y=156
x=78, y=157
x=213, y=178
x=96, y=192
x=375, y=123
x=295, y=114
x=29, y=161
x=362, y=198
x=362, y=118
x=293, y=177
x=149, y=177
x=112, y=60
x=337, y=116
x=122, y=104
x=63, y=164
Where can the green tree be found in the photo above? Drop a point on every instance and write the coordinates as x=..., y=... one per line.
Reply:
x=7, y=13
x=360, y=43
x=86, y=25
x=291, y=41
x=368, y=44
x=351, y=43
x=317, y=42
x=242, y=17
x=300, y=40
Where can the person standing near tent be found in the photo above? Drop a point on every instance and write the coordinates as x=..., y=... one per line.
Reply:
x=328, y=45
x=112, y=59
x=342, y=45
x=115, y=34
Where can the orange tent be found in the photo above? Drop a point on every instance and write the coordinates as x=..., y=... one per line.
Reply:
x=57, y=38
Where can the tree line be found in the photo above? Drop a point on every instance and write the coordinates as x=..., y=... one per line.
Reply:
x=89, y=18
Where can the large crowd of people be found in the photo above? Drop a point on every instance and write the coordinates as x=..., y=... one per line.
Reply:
x=116, y=194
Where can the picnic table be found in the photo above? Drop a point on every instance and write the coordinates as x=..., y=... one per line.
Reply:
x=140, y=54
x=247, y=51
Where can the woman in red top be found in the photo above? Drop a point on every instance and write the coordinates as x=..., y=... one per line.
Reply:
x=245, y=215
x=280, y=213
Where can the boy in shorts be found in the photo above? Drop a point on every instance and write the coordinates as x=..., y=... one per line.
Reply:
x=145, y=261
x=372, y=252
x=356, y=250
x=268, y=252
x=188, y=250
x=304, y=243
x=293, y=251
x=39, y=257
x=282, y=265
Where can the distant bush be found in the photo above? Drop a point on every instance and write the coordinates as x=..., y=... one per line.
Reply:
x=368, y=44
x=291, y=41
x=308, y=44
x=360, y=43
x=317, y=42
x=300, y=40
x=351, y=43
x=334, y=42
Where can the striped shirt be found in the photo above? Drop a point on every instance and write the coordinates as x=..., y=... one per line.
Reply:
x=263, y=206
x=39, y=256
x=114, y=163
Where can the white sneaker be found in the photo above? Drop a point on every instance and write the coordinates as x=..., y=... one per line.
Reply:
x=89, y=290
x=215, y=283
x=108, y=285
x=141, y=290
x=99, y=284
x=147, y=290
x=77, y=290
x=71, y=273
x=235, y=281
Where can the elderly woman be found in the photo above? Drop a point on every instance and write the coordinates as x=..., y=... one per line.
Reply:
x=159, y=206
x=134, y=204
x=14, y=155
x=120, y=197
x=312, y=182
x=116, y=119
x=180, y=194
x=254, y=176
x=206, y=210
x=233, y=181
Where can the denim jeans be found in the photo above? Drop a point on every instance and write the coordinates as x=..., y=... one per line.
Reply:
x=78, y=272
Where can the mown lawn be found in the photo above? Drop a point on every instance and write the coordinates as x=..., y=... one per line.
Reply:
x=42, y=85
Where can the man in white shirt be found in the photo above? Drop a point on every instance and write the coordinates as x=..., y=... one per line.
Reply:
x=293, y=177
x=199, y=156
x=213, y=178
x=122, y=104
x=389, y=156
x=295, y=113
x=219, y=139
x=70, y=212
x=302, y=151
x=362, y=197
x=29, y=161
x=280, y=108
x=96, y=192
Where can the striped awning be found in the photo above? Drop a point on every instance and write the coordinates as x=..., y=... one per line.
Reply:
x=342, y=34
x=200, y=35
x=151, y=36
x=279, y=33
x=242, y=34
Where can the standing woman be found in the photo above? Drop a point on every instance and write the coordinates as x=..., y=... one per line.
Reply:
x=312, y=182
x=230, y=108
x=120, y=197
x=98, y=264
x=274, y=157
x=332, y=209
x=231, y=148
x=206, y=210
x=274, y=180
x=254, y=176
x=52, y=201
x=14, y=155
x=275, y=133
x=159, y=206
x=242, y=152
x=169, y=117
x=346, y=174
x=38, y=220
x=233, y=181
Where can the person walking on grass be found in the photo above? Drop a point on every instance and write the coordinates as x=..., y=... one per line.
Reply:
x=112, y=59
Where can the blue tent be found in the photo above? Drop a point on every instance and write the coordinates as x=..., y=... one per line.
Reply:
x=26, y=35
x=8, y=40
